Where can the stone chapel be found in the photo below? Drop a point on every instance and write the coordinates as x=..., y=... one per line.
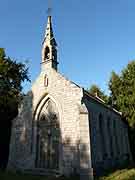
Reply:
x=62, y=129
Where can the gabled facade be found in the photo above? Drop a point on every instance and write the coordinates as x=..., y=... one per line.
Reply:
x=62, y=129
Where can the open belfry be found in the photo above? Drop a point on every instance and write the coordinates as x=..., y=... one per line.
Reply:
x=62, y=129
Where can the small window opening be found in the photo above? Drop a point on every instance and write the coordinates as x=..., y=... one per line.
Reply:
x=47, y=53
x=45, y=81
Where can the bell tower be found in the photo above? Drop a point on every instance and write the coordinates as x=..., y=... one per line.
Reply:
x=49, y=49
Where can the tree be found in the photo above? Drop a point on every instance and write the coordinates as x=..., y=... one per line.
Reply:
x=122, y=89
x=114, y=86
x=122, y=97
x=96, y=91
x=12, y=74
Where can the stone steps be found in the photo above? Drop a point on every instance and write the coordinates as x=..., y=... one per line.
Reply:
x=42, y=172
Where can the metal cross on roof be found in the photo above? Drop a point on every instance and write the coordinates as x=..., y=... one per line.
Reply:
x=49, y=10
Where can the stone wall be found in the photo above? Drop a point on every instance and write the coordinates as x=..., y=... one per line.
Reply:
x=109, y=136
x=67, y=97
x=20, y=149
x=91, y=134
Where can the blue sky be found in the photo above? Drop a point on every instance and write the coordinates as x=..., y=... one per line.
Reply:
x=94, y=36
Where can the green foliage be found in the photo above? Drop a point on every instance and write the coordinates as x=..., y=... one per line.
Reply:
x=122, y=89
x=96, y=91
x=114, y=82
x=12, y=74
x=123, y=174
x=2, y=53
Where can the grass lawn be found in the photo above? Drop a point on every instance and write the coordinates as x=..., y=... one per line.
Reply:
x=123, y=174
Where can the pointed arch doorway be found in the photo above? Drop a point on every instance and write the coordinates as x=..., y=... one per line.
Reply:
x=48, y=137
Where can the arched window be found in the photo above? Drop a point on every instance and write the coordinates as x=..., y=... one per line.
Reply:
x=116, y=137
x=47, y=53
x=45, y=81
x=102, y=136
x=54, y=54
x=110, y=140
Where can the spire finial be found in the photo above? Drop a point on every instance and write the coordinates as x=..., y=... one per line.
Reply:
x=49, y=50
x=49, y=10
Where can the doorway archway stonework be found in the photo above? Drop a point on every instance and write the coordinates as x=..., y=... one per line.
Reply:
x=46, y=144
